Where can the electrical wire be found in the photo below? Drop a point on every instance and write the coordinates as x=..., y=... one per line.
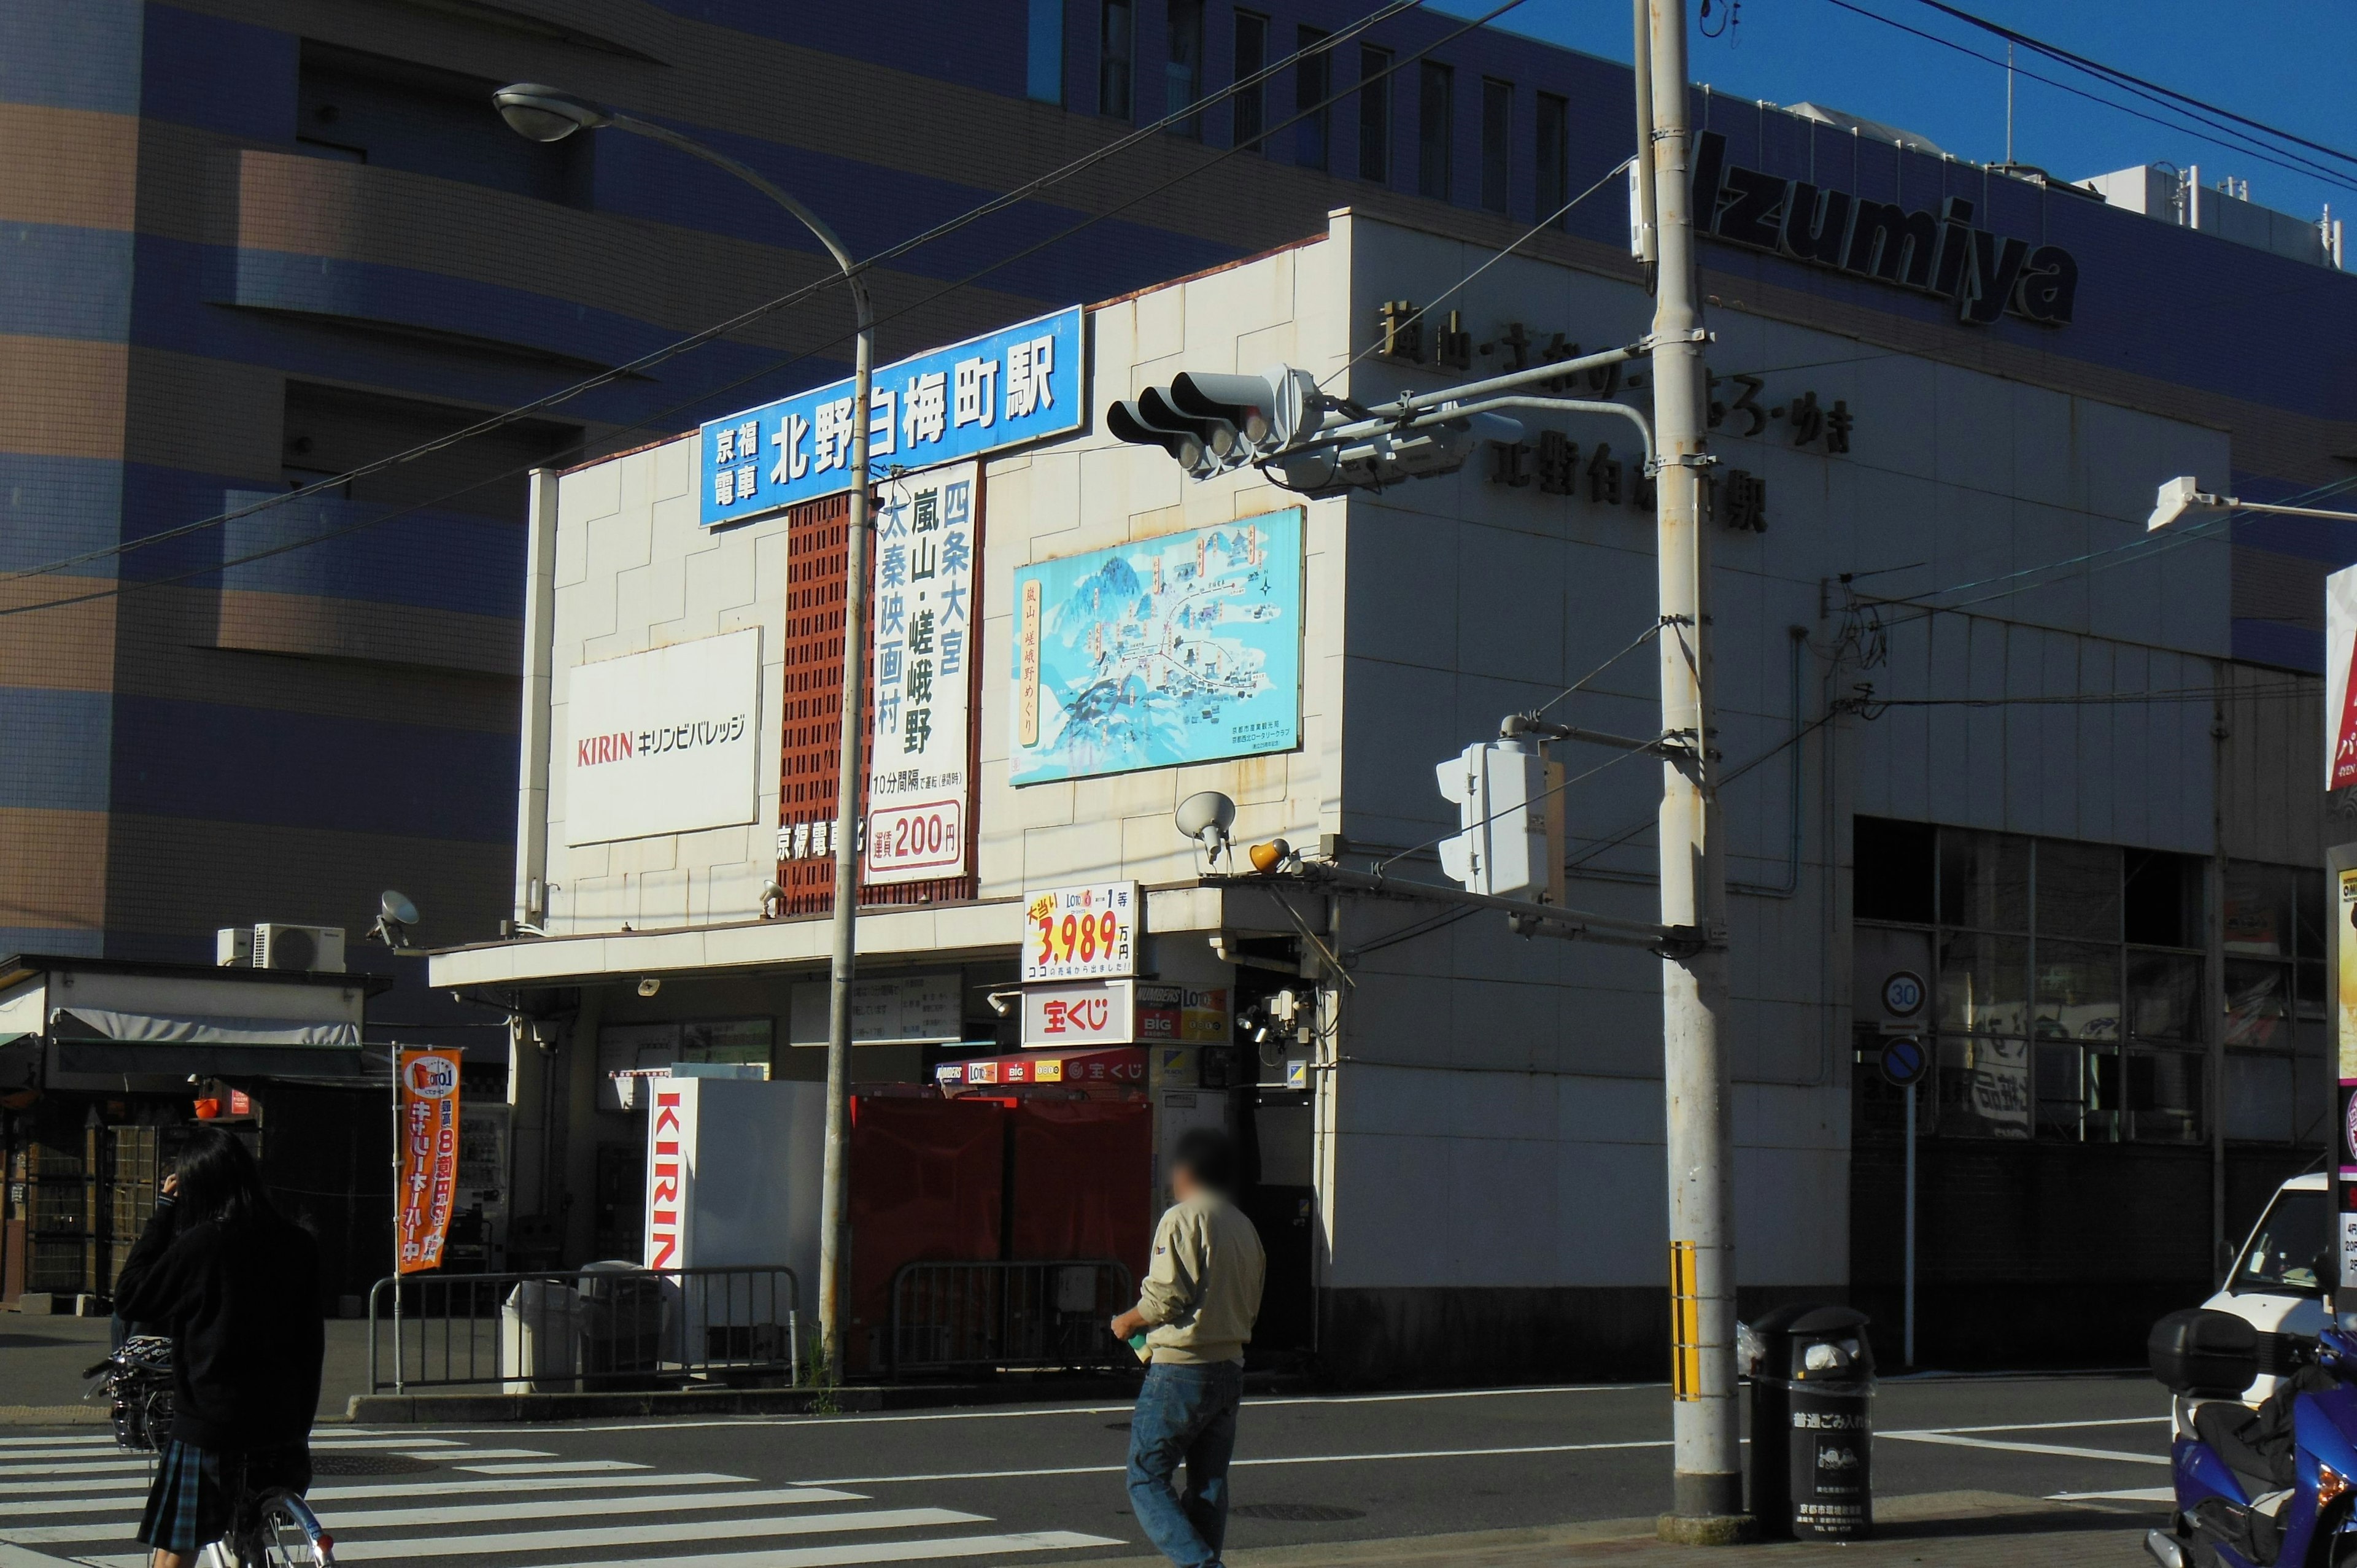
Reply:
x=2295, y=165
x=120, y=588
x=746, y=317
x=2057, y=52
x=1634, y=644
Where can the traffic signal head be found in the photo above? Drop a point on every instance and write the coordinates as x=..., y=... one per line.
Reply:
x=1499, y=786
x=1150, y=420
x=1214, y=422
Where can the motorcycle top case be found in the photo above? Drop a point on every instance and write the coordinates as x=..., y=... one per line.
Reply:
x=2203, y=1354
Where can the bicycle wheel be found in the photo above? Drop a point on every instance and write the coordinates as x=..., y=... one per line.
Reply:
x=287, y=1534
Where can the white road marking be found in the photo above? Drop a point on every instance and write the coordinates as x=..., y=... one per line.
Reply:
x=429, y=1488
x=134, y=1484
x=552, y=1466
x=62, y=1440
x=2058, y=1449
x=1241, y=1464
x=341, y=1522
x=78, y=1466
x=2039, y=1425
x=877, y=1551
x=464, y=1457
x=629, y=1535
x=2125, y=1494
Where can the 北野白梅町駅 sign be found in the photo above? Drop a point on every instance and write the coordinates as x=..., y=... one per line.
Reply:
x=1939, y=254
x=1016, y=384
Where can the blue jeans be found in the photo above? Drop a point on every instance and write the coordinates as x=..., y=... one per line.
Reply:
x=1190, y=1413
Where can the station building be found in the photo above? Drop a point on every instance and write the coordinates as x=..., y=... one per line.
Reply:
x=1975, y=731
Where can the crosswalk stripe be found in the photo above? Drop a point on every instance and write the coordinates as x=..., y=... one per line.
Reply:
x=638, y=1535
x=552, y=1466
x=466, y=1456
x=341, y=1523
x=81, y=1464
x=74, y=1487
x=134, y=1492
x=60, y=1440
x=869, y=1552
x=76, y=1466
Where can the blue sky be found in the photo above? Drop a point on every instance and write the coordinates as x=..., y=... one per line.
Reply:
x=2284, y=63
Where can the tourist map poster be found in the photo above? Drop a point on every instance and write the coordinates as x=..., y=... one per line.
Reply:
x=1182, y=648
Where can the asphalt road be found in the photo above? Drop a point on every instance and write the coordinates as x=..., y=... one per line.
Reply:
x=1043, y=1483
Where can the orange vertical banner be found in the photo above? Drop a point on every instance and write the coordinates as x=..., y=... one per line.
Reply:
x=427, y=1084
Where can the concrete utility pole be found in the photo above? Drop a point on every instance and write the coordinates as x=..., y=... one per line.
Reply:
x=1708, y=1503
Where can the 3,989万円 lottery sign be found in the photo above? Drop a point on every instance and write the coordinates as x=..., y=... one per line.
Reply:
x=1076, y=933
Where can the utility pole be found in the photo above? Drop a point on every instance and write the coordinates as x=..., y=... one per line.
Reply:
x=1707, y=1504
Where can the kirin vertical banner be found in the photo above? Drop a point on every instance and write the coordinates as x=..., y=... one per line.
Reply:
x=426, y=1083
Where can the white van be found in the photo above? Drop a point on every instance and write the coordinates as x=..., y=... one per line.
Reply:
x=2274, y=1285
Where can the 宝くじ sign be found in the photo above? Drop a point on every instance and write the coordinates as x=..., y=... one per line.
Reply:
x=1005, y=388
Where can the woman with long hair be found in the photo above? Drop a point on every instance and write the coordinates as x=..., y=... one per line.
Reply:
x=236, y=1285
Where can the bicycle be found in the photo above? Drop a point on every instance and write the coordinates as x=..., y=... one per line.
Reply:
x=272, y=1527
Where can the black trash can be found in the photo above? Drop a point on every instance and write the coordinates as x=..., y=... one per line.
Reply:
x=1811, y=1426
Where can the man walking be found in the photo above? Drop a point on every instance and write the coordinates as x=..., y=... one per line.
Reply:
x=1197, y=1306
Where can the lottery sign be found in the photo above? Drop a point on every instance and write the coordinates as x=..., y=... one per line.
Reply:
x=1080, y=933
x=428, y=1087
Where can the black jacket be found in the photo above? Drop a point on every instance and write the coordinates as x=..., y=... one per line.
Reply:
x=241, y=1304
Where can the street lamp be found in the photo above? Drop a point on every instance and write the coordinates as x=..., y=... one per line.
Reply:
x=542, y=113
x=2182, y=495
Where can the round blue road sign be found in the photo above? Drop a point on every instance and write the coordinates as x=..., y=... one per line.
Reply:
x=1903, y=1060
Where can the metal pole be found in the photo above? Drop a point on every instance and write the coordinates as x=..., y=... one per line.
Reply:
x=1907, y=1350
x=1707, y=1497
x=834, y=1185
x=396, y=1232
x=836, y=1190
x=1648, y=216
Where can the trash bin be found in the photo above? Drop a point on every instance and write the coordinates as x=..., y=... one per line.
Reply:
x=540, y=1337
x=1812, y=1430
x=622, y=1319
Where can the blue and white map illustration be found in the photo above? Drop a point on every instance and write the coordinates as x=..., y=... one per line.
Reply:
x=1182, y=648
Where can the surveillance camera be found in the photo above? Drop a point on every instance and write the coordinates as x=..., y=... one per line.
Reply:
x=650, y=985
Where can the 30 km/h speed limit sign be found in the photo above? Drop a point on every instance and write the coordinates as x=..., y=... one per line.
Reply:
x=1903, y=993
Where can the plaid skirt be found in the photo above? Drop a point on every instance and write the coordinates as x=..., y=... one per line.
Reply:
x=195, y=1497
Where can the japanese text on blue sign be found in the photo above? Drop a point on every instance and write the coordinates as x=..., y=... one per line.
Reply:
x=1014, y=385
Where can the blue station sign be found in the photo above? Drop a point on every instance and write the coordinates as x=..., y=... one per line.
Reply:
x=1020, y=383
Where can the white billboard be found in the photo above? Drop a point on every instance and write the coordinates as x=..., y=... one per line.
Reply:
x=923, y=653
x=664, y=742
x=2339, y=692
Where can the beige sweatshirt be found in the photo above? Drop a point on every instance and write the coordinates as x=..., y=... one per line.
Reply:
x=1201, y=1291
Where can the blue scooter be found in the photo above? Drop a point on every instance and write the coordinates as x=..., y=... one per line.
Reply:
x=2258, y=1489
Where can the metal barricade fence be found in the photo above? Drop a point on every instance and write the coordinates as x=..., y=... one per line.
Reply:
x=605, y=1325
x=979, y=1315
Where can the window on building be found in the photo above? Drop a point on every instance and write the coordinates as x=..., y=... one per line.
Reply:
x=1375, y=114
x=1250, y=104
x=2067, y=984
x=1497, y=136
x=1313, y=84
x=1435, y=119
x=1116, y=48
x=1043, y=65
x=1551, y=154
x=333, y=430
x=2278, y=1023
x=372, y=109
x=1182, y=66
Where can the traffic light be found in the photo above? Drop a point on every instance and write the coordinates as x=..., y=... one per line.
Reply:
x=1500, y=788
x=1213, y=422
x=1386, y=457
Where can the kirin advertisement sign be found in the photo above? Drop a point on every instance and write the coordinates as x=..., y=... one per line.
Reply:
x=667, y=741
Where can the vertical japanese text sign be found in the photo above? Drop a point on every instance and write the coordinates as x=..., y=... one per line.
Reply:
x=1016, y=384
x=427, y=1084
x=2343, y=861
x=922, y=649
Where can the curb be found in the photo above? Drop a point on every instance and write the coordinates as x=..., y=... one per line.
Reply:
x=396, y=1410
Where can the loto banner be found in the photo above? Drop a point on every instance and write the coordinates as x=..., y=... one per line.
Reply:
x=426, y=1089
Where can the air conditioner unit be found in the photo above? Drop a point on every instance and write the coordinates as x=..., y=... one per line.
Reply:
x=317, y=949
x=234, y=946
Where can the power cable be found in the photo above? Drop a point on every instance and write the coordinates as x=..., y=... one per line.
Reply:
x=1632, y=646
x=2240, y=143
x=2057, y=52
x=696, y=340
x=120, y=588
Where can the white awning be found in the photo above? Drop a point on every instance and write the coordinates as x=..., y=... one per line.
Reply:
x=200, y=1030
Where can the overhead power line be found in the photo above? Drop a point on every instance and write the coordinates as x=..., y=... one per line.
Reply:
x=121, y=587
x=746, y=317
